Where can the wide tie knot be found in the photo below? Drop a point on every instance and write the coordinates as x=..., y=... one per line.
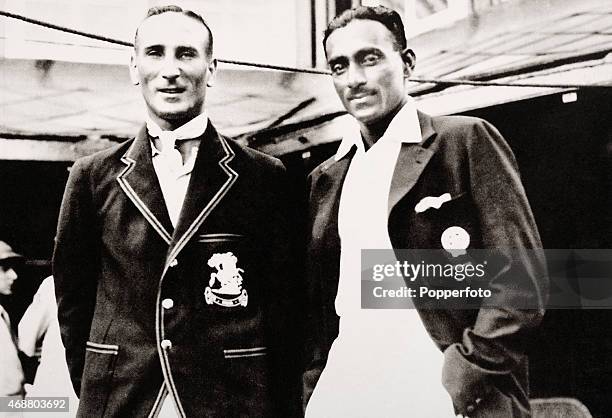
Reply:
x=167, y=141
x=168, y=151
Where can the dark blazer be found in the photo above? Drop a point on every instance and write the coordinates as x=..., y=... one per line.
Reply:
x=483, y=348
x=139, y=305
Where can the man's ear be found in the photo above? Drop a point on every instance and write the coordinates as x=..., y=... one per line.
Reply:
x=409, y=59
x=212, y=70
x=134, y=70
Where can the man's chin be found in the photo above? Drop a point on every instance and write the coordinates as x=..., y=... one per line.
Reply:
x=366, y=116
x=176, y=115
x=172, y=112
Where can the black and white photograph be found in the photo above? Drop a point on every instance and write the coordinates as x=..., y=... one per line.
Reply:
x=306, y=208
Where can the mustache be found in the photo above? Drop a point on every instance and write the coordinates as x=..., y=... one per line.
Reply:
x=358, y=93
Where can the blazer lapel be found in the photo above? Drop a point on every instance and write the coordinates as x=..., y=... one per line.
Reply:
x=211, y=179
x=330, y=193
x=139, y=182
x=411, y=162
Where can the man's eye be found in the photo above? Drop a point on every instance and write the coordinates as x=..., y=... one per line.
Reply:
x=371, y=59
x=187, y=54
x=338, y=69
x=153, y=53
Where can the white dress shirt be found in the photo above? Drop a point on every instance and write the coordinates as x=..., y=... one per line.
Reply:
x=172, y=172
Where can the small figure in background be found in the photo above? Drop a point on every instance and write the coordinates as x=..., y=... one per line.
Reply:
x=39, y=337
x=11, y=377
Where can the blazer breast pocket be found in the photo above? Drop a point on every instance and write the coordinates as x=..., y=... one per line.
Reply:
x=228, y=274
x=447, y=220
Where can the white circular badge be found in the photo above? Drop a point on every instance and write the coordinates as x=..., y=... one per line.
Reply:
x=455, y=240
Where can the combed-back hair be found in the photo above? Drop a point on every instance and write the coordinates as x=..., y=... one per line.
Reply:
x=388, y=17
x=158, y=10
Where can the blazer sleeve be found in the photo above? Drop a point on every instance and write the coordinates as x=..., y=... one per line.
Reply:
x=495, y=345
x=313, y=363
x=320, y=314
x=75, y=264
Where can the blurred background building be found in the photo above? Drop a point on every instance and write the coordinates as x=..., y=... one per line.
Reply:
x=63, y=96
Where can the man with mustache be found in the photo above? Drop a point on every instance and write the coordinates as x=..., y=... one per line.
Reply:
x=404, y=180
x=149, y=328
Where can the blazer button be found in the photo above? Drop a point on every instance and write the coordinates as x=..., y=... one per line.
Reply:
x=167, y=303
x=173, y=263
x=166, y=344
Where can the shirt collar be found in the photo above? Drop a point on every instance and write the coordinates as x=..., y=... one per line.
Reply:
x=192, y=129
x=403, y=128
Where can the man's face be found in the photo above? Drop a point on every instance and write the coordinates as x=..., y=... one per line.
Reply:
x=368, y=72
x=172, y=67
x=7, y=277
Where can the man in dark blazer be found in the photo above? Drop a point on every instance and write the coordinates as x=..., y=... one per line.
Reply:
x=467, y=167
x=172, y=254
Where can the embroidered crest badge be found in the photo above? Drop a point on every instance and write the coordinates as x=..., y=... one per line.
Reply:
x=225, y=284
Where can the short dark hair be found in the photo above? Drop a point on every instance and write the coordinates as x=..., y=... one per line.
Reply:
x=388, y=17
x=158, y=10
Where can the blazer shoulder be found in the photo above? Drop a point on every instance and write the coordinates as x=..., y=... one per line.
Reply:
x=458, y=123
x=102, y=166
x=468, y=131
x=103, y=157
x=256, y=157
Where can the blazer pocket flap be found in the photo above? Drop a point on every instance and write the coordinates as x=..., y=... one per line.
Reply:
x=102, y=348
x=221, y=237
x=245, y=352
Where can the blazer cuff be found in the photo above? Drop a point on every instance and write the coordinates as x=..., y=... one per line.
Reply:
x=309, y=381
x=465, y=381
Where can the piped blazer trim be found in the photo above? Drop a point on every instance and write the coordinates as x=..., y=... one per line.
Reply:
x=142, y=207
x=163, y=391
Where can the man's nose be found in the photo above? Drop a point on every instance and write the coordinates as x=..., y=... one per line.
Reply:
x=11, y=274
x=170, y=68
x=355, y=76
